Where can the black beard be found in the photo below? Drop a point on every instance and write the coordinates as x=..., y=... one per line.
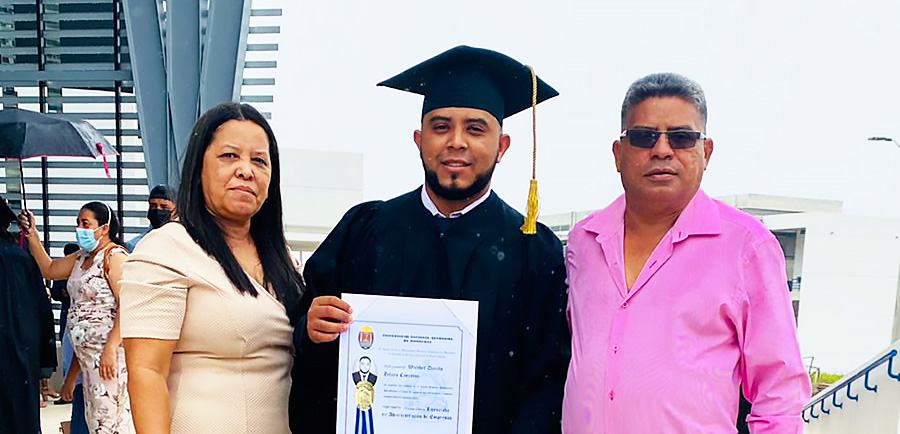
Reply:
x=457, y=194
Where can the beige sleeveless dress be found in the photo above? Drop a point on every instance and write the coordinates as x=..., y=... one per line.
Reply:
x=230, y=370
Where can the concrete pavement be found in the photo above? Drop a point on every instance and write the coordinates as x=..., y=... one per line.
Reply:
x=52, y=415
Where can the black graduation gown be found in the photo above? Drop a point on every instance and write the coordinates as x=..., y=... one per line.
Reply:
x=397, y=248
x=24, y=311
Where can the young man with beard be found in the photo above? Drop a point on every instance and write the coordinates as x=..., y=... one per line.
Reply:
x=451, y=238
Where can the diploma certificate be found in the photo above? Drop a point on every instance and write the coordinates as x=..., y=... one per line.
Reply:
x=407, y=365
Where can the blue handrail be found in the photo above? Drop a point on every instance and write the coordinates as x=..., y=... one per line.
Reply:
x=887, y=357
x=855, y=398
x=891, y=370
x=872, y=388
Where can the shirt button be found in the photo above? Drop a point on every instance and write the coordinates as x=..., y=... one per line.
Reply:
x=624, y=305
x=615, y=349
x=612, y=395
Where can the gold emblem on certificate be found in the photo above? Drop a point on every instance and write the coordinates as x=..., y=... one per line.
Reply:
x=365, y=395
x=365, y=379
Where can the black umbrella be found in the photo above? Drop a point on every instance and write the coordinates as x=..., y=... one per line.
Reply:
x=25, y=134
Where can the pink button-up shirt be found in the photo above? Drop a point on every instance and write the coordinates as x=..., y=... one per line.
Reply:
x=709, y=312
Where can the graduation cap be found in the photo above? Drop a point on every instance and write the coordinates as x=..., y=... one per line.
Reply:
x=482, y=79
x=475, y=78
x=6, y=214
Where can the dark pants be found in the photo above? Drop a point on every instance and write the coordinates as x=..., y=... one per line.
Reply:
x=743, y=412
x=79, y=425
x=62, y=322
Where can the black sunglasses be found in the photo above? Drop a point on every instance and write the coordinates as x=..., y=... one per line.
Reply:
x=678, y=139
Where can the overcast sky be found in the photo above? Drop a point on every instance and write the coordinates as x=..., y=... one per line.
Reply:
x=794, y=88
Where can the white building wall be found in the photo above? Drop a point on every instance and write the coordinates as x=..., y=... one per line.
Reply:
x=763, y=204
x=798, y=258
x=317, y=188
x=848, y=293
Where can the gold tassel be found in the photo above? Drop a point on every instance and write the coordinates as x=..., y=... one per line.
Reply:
x=530, y=226
x=531, y=215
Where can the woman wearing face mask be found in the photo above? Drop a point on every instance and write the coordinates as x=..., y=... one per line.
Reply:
x=93, y=324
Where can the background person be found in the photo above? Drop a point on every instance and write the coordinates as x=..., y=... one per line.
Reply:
x=72, y=390
x=209, y=300
x=24, y=306
x=58, y=292
x=93, y=323
x=161, y=208
x=48, y=354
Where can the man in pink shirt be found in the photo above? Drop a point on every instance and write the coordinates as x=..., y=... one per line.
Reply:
x=677, y=302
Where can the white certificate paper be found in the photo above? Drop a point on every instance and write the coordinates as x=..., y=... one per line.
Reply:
x=407, y=365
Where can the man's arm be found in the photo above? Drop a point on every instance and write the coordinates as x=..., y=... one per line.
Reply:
x=323, y=275
x=545, y=341
x=774, y=378
x=313, y=399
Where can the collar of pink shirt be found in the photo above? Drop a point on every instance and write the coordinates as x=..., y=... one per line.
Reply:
x=700, y=217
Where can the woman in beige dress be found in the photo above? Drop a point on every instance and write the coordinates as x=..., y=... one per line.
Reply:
x=208, y=300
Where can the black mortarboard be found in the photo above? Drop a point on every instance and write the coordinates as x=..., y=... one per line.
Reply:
x=6, y=214
x=472, y=77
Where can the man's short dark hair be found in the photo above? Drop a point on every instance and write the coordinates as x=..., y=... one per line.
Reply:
x=365, y=357
x=70, y=248
x=664, y=84
x=162, y=191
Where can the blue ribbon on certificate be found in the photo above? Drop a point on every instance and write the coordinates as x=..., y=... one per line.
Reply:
x=361, y=419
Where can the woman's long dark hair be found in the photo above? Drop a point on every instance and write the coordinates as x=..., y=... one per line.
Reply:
x=104, y=215
x=266, y=227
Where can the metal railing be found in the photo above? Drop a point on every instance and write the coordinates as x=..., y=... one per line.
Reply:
x=810, y=408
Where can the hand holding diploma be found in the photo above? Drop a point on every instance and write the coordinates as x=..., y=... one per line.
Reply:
x=327, y=318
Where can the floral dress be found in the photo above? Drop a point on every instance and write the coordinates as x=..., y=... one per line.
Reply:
x=91, y=319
